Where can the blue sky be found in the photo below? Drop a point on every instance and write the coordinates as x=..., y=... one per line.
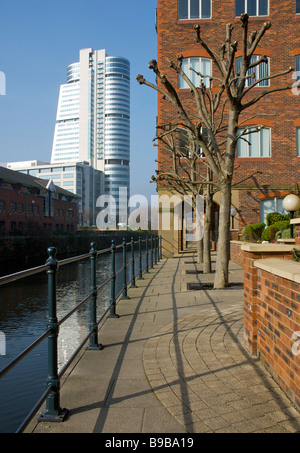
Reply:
x=39, y=39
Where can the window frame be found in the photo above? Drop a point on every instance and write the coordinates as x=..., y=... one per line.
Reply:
x=260, y=142
x=183, y=137
x=276, y=207
x=298, y=141
x=297, y=68
x=246, y=8
x=189, y=11
x=190, y=73
x=257, y=70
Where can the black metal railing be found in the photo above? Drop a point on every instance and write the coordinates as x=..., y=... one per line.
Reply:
x=153, y=253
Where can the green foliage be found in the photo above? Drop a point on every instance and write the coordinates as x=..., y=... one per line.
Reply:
x=284, y=234
x=253, y=232
x=275, y=217
x=270, y=232
x=296, y=255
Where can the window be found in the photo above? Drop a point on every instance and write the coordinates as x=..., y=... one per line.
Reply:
x=185, y=143
x=269, y=205
x=259, y=71
x=297, y=67
x=200, y=65
x=194, y=9
x=13, y=207
x=297, y=6
x=252, y=7
x=2, y=206
x=298, y=141
x=254, y=144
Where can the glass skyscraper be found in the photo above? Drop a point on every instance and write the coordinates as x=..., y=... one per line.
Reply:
x=93, y=119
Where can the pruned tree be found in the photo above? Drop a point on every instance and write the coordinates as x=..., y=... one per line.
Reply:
x=221, y=112
x=183, y=173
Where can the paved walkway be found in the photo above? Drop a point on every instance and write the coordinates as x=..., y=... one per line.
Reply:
x=174, y=362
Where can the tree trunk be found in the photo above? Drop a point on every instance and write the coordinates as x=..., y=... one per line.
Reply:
x=200, y=251
x=207, y=232
x=223, y=256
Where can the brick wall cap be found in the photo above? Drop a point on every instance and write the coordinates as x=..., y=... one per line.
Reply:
x=279, y=268
x=295, y=221
x=250, y=247
x=286, y=241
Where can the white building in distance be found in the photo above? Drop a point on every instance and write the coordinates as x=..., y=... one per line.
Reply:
x=93, y=118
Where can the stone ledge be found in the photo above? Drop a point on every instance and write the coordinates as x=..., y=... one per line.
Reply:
x=280, y=268
x=295, y=221
x=286, y=241
x=250, y=247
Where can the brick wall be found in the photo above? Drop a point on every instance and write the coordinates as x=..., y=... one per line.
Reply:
x=236, y=252
x=253, y=252
x=23, y=211
x=281, y=43
x=296, y=223
x=272, y=311
x=278, y=314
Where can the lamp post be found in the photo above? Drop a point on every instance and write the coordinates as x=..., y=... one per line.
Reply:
x=291, y=203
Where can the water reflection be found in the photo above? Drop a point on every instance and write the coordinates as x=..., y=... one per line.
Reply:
x=23, y=318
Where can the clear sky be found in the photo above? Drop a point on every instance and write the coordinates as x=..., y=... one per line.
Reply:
x=39, y=39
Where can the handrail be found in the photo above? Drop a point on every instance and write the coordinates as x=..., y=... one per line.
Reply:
x=53, y=411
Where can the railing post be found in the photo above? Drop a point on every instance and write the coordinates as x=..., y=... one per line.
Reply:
x=132, y=265
x=93, y=307
x=147, y=256
x=151, y=252
x=160, y=247
x=140, y=259
x=125, y=296
x=155, y=249
x=113, y=313
x=53, y=411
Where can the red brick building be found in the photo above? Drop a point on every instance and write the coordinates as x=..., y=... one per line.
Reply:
x=33, y=205
x=272, y=155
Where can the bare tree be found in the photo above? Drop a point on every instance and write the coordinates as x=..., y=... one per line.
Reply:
x=185, y=176
x=219, y=112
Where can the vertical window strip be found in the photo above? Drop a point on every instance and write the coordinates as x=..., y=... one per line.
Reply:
x=298, y=141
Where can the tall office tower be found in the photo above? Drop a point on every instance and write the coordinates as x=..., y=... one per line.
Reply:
x=93, y=118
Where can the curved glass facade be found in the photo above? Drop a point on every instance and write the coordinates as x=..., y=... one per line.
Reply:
x=117, y=125
x=73, y=73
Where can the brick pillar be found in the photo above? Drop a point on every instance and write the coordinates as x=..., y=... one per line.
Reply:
x=250, y=301
x=253, y=252
x=296, y=223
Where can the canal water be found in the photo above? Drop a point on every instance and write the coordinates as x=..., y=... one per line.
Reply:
x=23, y=318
